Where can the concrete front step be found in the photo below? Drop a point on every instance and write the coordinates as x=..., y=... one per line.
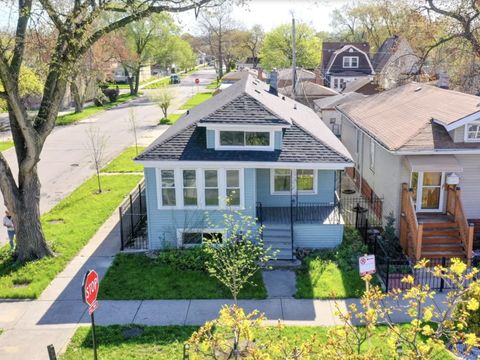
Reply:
x=277, y=246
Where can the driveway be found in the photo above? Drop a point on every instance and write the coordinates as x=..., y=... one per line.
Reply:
x=65, y=161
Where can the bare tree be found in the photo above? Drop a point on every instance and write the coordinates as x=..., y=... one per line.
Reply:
x=254, y=41
x=96, y=145
x=78, y=25
x=162, y=97
x=133, y=126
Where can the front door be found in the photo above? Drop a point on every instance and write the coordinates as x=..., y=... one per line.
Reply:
x=428, y=191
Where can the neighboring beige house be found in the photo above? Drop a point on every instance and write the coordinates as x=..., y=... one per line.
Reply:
x=394, y=63
x=416, y=146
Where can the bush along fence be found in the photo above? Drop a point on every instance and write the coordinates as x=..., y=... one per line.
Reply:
x=133, y=220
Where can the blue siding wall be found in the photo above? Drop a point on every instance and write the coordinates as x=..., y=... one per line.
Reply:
x=210, y=139
x=326, y=189
x=163, y=224
x=278, y=140
x=317, y=236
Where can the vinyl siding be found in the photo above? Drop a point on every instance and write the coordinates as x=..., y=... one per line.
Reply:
x=325, y=189
x=163, y=223
x=470, y=184
x=317, y=236
x=210, y=139
x=278, y=140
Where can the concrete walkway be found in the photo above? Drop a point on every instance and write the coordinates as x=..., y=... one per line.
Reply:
x=280, y=283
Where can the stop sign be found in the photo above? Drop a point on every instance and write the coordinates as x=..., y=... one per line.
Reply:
x=90, y=287
x=197, y=81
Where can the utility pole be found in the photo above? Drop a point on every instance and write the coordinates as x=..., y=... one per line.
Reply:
x=294, y=59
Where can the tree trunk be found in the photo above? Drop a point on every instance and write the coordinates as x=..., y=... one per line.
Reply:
x=220, y=58
x=77, y=98
x=137, y=81
x=130, y=81
x=31, y=243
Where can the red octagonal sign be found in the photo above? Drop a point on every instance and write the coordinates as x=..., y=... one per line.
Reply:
x=90, y=287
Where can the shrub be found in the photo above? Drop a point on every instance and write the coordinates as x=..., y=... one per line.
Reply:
x=194, y=259
x=112, y=94
x=351, y=248
x=165, y=121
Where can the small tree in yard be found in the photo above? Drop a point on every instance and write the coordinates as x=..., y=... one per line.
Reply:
x=97, y=144
x=239, y=254
x=133, y=125
x=163, y=98
x=236, y=335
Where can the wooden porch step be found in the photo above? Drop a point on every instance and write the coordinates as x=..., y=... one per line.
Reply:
x=441, y=232
x=442, y=247
x=441, y=239
x=441, y=254
x=438, y=225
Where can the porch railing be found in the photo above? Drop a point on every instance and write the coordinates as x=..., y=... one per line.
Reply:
x=455, y=208
x=306, y=213
x=409, y=223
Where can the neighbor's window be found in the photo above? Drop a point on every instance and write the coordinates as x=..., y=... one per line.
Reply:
x=191, y=238
x=372, y=155
x=282, y=180
x=305, y=180
x=244, y=138
x=168, y=187
x=211, y=188
x=350, y=61
x=189, y=188
x=233, y=187
x=473, y=131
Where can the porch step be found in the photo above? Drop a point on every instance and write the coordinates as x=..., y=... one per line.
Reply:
x=455, y=247
x=441, y=239
x=438, y=225
x=441, y=254
x=441, y=232
x=279, y=239
x=278, y=244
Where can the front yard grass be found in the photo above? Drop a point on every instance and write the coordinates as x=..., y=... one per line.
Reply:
x=5, y=145
x=327, y=274
x=197, y=99
x=136, y=276
x=171, y=119
x=71, y=118
x=68, y=227
x=124, y=162
x=166, y=342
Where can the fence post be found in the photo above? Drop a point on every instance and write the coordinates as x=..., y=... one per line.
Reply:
x=375, y=246
x=140, y=198
x=442, y=281
x=51, y=352
x=356, y=215
x=122, y=240
x=387, y=275
x=365, y=233
x=131, y=216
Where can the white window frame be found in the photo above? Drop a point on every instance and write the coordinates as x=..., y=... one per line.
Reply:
x=348, y=64
x=270, y=147
x=180, y=233
x=204, y=188
x=372, y=155
x=200, y=183
x=293, y=183
x=465, y=135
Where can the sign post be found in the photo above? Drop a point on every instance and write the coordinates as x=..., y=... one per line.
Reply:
x=90, y=287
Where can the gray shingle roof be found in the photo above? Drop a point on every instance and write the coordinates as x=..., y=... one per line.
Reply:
x=306, y=137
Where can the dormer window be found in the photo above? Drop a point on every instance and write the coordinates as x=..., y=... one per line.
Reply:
x=244, y=140
x=350, y=62
x=472, y=132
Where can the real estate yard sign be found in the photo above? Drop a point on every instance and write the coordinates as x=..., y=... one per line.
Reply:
x=90, y=287
x=366, y=265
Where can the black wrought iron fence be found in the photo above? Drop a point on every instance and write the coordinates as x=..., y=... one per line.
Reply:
x=133, y=219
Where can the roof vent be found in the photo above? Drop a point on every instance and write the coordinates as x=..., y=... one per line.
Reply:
x=295, y=106
x=258, y=91
x=418, y=89
x=283, y=97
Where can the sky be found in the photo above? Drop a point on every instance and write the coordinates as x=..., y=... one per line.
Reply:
x=271, y=13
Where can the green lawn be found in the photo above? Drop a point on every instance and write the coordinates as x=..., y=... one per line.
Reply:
x=135, y=276
x=4, y=145
x=159, y=84
x=214, y=84
x=68, y=119
x=68, y=227
x=197, y=99
x=172, y=119
x=120, y=86
x=322, y=278
x=166, y=342
x=124, y=163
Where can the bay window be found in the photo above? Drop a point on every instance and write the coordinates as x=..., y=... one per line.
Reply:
x=168, y=187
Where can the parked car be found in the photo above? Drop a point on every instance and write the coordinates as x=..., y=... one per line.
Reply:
x=174, y=79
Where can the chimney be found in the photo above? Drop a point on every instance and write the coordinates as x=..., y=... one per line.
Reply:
x=273, y=82
x=443, y=80
x=318, y=76
x=260, y=74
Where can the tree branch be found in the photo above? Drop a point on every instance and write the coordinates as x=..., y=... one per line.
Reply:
x=52, y=14
x=8, y=185
x=25, y=8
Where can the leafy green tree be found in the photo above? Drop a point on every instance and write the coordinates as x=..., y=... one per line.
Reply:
x=29, y=85
x=276, y=51
x=78, y=25
x=238, y=254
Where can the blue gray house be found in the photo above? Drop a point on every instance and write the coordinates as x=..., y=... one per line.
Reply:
x=270, y=156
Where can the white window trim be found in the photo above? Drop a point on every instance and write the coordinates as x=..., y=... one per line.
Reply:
x=372, y=155
x=465, y=132
x=350, y=62
x=270, y=147
x=200, y=182
x=204, y=188
x=180, y=232
x=294, y=183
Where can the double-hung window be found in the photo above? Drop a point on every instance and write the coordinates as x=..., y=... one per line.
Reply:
x=350, y=62
x=472, y=131
x=233, y=187
x=211, y=188
x=168, y=187
x=190, y=197
x=306, y=180
x=282, y=181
